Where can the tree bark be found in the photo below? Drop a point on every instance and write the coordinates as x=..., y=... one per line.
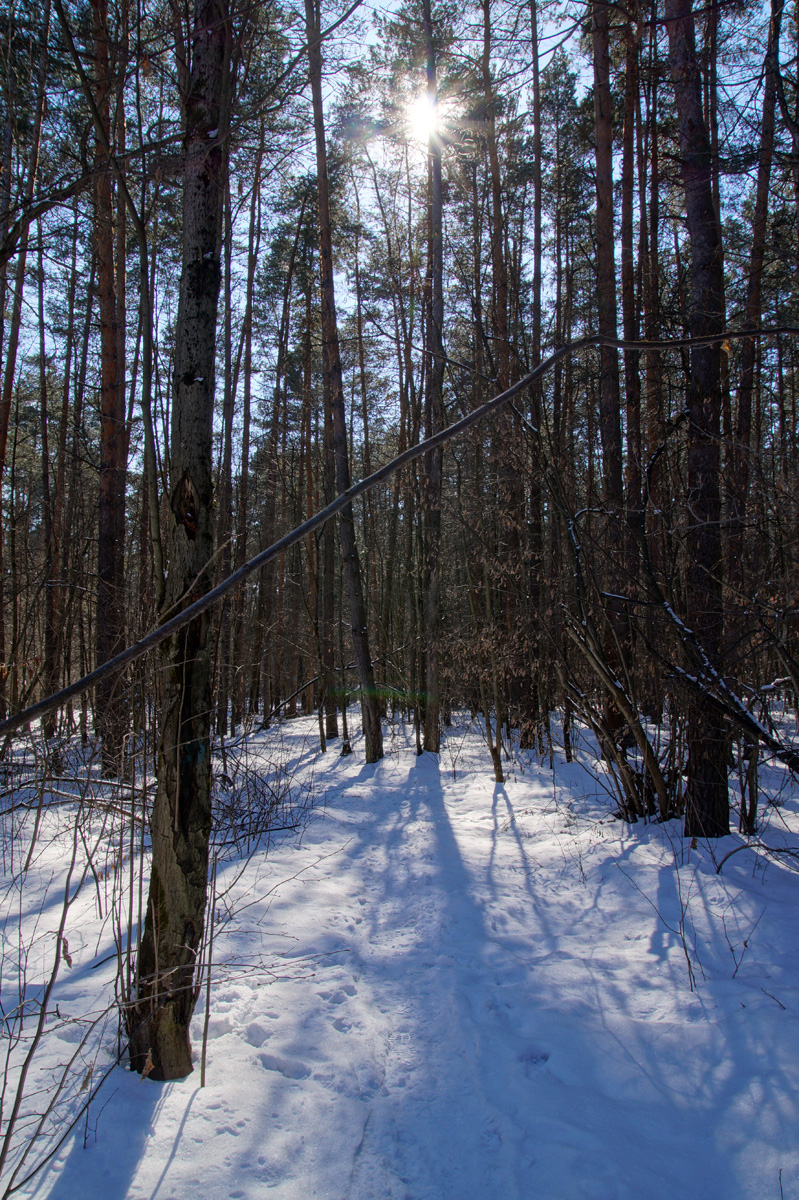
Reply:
x=159, y=1016
x=224, y=516
x=370, y=708
x=632, y=386
x=434, y=409
x=739, y=458
x=50, y=664
x=109, y=706
x=707, y=799
x=242, y=511
x=328, y=650
x=617, y=636
x=609, y=390
x=12, y=344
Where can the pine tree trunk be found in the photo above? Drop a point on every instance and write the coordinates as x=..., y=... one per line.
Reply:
x=617, y=634
x=242, y=512
x=739, y=470
x=632, y=386
x=609, y=393
x=109, y=707
x=49, y=664
x=11, y=346
x=370, y=708
x=329, y=579
x=707, y=809
x=434, y=411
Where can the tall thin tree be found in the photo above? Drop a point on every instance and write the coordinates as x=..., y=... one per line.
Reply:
x=370, y=707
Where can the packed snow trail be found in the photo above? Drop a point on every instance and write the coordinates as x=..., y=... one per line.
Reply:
x=456, y=989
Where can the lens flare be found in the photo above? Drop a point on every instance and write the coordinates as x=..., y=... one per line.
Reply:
x=423, y=119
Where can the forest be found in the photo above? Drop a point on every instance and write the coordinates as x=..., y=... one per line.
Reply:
x=369, y=368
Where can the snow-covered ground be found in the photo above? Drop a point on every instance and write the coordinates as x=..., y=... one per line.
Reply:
x=452, y=988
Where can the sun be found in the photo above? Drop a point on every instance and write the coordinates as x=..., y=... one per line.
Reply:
x=423, y=118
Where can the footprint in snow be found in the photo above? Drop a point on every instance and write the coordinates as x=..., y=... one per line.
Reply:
x=256, y=1034
x=218, y=1026
x=287, y=1067
x=74, y=1032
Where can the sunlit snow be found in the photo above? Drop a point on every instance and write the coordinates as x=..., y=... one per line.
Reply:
x=452, y=988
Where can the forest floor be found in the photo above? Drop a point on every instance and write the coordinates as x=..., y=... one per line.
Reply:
x=449, y=988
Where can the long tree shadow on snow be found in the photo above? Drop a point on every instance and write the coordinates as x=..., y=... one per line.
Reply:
x=522, y=1051
x=495, y=1053
x=630, y=1038
x=129, y=1120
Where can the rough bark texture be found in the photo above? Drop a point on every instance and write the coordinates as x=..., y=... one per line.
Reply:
x=164, y=1000
x=332, y=366
x=707, y=811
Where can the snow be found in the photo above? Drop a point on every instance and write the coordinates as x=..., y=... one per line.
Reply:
x=452, y=988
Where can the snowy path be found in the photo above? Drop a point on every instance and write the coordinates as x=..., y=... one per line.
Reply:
x=461, y=990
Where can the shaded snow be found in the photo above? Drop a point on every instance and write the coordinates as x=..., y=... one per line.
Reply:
x=451, y=988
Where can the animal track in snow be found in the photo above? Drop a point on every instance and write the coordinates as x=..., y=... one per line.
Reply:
x=340, y=995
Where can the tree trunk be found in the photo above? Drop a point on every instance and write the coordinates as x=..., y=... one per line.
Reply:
x=159, y=1017
x=327, y=644
x=332, y=365
x=739, y=457
x=609, y=393
x=632, y=386
x=434, y=409
x=617, y=636
x=224, y=516
x=12, y=344
x=707, y=808
x=109, y=706
x=242, y=511
x=49, y=664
